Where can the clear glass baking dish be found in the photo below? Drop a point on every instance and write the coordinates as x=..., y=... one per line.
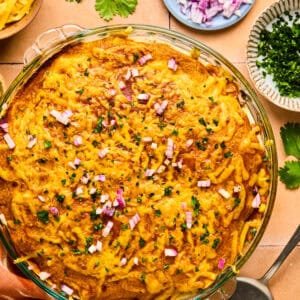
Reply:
x=54, y=40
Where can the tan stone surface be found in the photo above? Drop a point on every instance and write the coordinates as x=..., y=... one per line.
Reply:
x=232, y=44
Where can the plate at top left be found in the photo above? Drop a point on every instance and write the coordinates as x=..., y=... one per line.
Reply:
x=218, y=22
x=17, y=26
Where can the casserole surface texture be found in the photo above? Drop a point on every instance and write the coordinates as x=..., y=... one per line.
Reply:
x=135, y=172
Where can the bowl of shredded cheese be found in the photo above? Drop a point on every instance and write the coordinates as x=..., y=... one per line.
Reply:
x=15, y=15
x=135, y=163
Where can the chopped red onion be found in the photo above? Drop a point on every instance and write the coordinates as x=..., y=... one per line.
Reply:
x=153, y=146
x=161, y=169
x=143, y=97
x=4, y=127
x=54, y=210
x=104, y=123
x=134, y=220
x=179, y=164
x=122, y=85
x=9, y=141
x=71, y=164
x=113, y=122
x=237, y=188
x=79, y=191
x=102, y=153
x=149, y=172
x=120, y=199
x=44, y=275
x=189, y=219
x=77, y=162
x=62, y=117
x=170, y=252
x=225, y=194
x=66, y=290
x=136, y=261
x=108, y=210
x=189, y=143
x=107, y=229
x=162, y=107
x=92, y=191
x=183, y=205
x=170, y=147
x=147, y=139
x=221, y=263
x=32, y=141
x=167, y=162
x=67, y=113
x=99, y=246
x=142, y=60
x=99, y=211
x=77, y=140
x=134, y=72
x=84, y=179
x=92, y=249
x=128, y=75
x=172, y=65
x=112, y=92
x=204, y=183
x=256, y=201
x=104, y=198
x=100, y=177
x=123, y=262
x=41, y=198
x=30, y=267
x=3, y=220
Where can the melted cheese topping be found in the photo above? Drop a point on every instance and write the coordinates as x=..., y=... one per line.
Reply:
x=129, y=178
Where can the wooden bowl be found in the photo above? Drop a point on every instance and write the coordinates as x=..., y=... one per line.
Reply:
x=15, y=27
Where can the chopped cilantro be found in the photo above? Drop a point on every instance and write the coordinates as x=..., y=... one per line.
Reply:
x=216, y=243
x=43, y=216
x=180, y=104
x=166, y=266
x=168, y=191
x=143, y=277
x=228, y=154
x=99, y=125
x=195, y=205
x=158, y=212
x=63, y=181
x=60, y=198
x=202, y=121
x=142, y=243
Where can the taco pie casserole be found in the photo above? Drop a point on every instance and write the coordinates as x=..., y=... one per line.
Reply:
x=129, y=170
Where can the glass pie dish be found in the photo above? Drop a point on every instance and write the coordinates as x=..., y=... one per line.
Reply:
x=54, y=40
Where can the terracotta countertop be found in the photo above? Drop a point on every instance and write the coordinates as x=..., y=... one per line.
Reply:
x=231, y=43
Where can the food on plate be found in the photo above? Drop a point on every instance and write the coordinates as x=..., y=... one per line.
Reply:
x=203, y=11
x=129, y=170
x=13, y=10
x=278, y=51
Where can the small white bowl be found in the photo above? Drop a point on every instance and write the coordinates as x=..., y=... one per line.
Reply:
x=265, y=85
x=15, y=27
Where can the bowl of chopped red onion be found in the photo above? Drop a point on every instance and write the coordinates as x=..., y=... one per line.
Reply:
x=209, y=15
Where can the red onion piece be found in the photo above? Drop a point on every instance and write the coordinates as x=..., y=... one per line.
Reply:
x=204, y=183
x=41, y=198
x=134, y=72
x=170, y=252
x=142, y=60
x=79, y=191
x=134, y=221
x=99, y=246
x=4, y=127
x=104, y=198
x=67, y=289
x=102, y=153
x=32, y=141
x=221, y=263
x=143, y=97
x=3, y=220
x=172, y=65
x=44, y=275
x=136, y=261
x=92, y=249
x=189, y=143
x=54, y=210
x=122, y=85
x=9, y=141
x=149, y=172
x=112, y=92
x=189, y=219
x=123, y=262
x=107, y=229
x=169, y=151
x=77, y=140
x=225, y=194
x=256, y=201
x=92, y=191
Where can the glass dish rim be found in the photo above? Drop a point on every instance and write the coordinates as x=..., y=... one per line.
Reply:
x=102, y=32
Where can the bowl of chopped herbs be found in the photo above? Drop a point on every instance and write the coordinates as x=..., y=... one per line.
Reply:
x=273, y=54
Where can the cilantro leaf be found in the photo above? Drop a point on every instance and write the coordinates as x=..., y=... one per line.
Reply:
x=109, y=8
x=290, y=174
x=106, y=8
x=125, y=8
x=290, y=135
